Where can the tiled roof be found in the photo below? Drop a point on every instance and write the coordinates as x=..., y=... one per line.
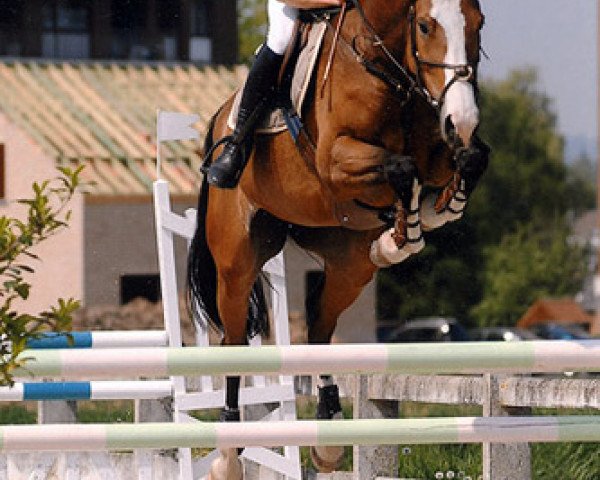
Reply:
x=563, y=310
x=104, y=115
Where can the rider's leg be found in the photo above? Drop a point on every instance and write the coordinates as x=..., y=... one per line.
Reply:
x=226, y=170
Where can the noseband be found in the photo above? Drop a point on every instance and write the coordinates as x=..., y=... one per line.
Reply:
x=402, y=82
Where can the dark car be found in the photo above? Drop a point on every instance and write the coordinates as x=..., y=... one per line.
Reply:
x=501, y=334
x=429, y=329
x=555, y=331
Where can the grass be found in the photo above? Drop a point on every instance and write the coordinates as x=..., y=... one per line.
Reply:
x=425, y=461
x=17, y=414
x=564, y=461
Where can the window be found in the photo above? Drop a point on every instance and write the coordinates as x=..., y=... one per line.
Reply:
x=65, y=25
x=200, y=18
x=136, y=286
x=66, y=16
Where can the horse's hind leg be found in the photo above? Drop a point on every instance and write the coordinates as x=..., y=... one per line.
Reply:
x=241, y=239
x=348, y=270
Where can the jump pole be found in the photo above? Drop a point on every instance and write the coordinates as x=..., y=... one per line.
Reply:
x=100, y=339
x=301, y=433
x=98, y=390
x=447, y=358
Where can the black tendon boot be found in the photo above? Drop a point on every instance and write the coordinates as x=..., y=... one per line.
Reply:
x=226, y=170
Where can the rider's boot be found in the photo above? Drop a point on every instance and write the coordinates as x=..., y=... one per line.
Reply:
x=226, y=170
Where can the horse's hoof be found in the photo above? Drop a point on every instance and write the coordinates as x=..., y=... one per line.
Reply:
x=227, y=466
x=327, y=459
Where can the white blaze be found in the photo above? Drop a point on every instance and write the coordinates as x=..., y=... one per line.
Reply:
x=459, y=103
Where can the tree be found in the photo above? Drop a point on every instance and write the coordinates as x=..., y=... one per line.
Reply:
x=526, y=176
x=252, y=24
x=535, y=261
x=581, y=185
x=47, y=215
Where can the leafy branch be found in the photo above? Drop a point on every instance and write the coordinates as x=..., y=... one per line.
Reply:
x=47, y=215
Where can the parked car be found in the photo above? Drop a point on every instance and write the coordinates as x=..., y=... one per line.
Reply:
x=555, y=331
x=430, y=329
x=501, y=334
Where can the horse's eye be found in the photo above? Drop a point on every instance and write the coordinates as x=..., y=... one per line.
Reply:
x=424, y=27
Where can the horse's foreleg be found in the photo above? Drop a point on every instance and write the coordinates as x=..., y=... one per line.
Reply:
x=404, y=238
x=450, y=204
x=359, y=171
x=346, y=274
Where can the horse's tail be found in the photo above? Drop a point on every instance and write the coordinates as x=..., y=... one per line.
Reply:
x=202, y=272
x=201, y=268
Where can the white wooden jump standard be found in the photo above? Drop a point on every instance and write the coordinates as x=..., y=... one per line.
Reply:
x=279, y=392
x=455, y=358
x=301, y=433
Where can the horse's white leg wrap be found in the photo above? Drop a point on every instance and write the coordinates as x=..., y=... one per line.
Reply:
x=430, y=219
x=385, y=252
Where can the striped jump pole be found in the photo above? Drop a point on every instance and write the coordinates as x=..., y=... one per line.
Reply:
x=98, y=390
x=100, y=339
x=445, y=358
x=301, y=433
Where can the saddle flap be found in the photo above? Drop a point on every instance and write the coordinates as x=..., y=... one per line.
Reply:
x=303, y=73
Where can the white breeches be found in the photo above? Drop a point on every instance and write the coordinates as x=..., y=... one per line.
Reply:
x=281, y=25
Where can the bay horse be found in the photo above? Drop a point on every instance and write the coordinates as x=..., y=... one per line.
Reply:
x=393, y=109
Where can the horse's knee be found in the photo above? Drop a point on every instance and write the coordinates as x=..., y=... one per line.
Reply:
x=400, y=171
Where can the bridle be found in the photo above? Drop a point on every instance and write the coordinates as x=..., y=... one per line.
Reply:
x=401, y=81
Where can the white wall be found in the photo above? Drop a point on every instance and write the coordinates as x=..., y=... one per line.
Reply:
x=59, y=273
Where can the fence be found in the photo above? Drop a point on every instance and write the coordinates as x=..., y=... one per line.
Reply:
x=376, y=396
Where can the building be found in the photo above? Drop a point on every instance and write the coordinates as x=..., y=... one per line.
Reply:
x=142, y=30
x=102, y=115
x=562, y=311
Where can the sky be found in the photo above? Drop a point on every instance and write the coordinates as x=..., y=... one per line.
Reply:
x=558, y=37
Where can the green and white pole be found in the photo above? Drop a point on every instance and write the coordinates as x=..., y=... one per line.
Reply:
x=301, y=433
x=446, y=358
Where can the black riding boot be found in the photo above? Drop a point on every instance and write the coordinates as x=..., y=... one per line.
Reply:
x=226, y=170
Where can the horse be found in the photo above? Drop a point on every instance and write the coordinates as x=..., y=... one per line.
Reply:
x=390, y=150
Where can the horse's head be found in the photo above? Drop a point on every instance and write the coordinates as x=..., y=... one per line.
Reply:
x=443, y=54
